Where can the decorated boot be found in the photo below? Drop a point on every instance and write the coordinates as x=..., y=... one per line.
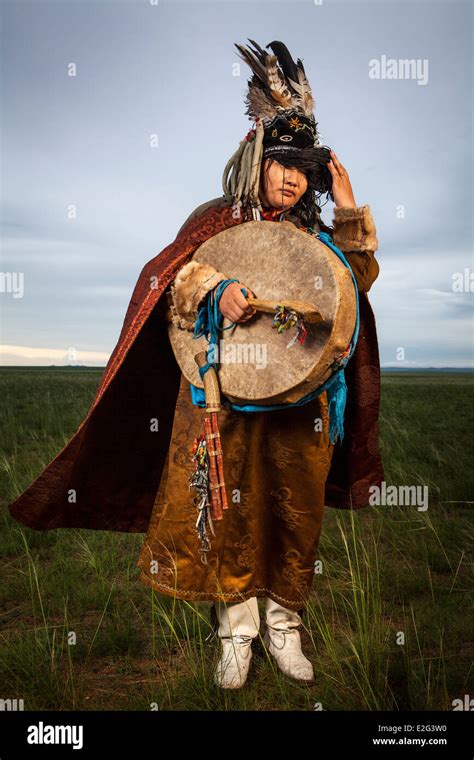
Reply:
x=238, y=624
x=283, y=641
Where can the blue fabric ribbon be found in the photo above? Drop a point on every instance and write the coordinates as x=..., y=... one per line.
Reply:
x=209, y=323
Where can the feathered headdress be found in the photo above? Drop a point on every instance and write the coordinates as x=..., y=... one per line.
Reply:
x=274, y=88
x=280, y=102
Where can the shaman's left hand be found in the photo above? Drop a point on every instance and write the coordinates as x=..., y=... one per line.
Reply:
x=341, y=184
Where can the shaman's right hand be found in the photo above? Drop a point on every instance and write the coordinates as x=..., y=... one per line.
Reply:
x=234, y=305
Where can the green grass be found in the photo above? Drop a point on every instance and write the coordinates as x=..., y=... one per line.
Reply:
x=388, y=626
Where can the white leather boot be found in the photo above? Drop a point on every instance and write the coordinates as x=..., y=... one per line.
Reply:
x=283, y=641
x=238, y=626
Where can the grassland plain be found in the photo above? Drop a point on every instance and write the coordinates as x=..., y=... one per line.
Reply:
x=390, y=620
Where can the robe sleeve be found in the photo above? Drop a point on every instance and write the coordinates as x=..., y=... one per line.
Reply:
x=190, y=286
x=355, y=235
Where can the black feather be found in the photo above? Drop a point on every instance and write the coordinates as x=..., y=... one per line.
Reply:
x=285, y=60
x=255, y=65
x=259, y=52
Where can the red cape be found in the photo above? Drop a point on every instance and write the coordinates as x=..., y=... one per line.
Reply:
x=107, y=475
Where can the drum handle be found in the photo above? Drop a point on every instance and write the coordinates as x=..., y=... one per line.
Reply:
x=211, y=384
x=310, y=313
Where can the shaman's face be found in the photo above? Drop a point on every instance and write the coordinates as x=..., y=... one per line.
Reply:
x=281, y=187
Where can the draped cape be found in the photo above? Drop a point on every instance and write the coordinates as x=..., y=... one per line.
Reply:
x=107, y=475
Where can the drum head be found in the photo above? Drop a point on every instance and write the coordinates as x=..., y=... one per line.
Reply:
x=276, y=260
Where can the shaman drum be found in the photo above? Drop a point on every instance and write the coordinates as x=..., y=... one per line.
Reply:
x=277, y=261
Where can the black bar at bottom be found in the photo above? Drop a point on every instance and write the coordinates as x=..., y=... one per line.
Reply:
x=376, y=734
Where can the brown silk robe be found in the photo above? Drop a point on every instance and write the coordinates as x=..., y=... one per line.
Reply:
x=111, y=475
x=275, y=466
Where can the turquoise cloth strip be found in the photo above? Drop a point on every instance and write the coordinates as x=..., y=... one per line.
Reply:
x=209, y=323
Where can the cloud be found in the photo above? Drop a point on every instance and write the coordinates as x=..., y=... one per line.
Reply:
x=91, y=149
x=34, y=356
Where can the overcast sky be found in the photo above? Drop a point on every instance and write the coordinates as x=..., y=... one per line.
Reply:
x=167, y=68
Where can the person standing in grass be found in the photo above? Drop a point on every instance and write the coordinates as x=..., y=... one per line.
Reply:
x=266, y=544
x=126, y=466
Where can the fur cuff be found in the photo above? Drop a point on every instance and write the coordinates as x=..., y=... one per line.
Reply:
x=354, y=229
x=189, y=287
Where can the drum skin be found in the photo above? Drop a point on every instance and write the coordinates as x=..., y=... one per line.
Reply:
x=276, y=261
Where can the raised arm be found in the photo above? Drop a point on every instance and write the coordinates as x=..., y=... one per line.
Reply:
x=354, y=228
